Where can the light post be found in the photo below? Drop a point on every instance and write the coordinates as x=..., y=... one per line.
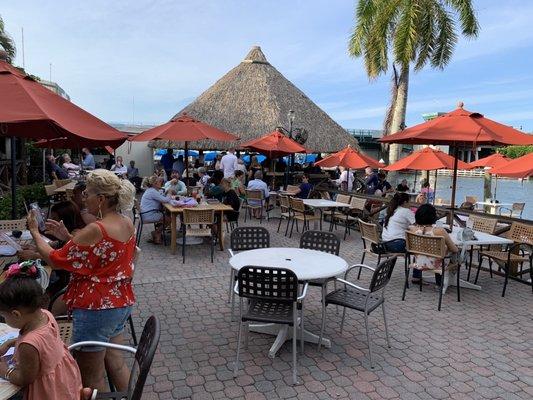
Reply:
x=290, y=164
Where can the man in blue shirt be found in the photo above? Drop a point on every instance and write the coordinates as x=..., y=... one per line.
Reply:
x=88, y=160
x=167, y=160
x=371, y=180
x=305, y=188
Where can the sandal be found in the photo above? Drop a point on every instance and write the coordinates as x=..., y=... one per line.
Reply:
x=152, y=241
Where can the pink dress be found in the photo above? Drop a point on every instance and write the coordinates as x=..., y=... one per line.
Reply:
x=59, y=376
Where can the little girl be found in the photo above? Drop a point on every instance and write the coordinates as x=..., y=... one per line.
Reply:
x=42, y=364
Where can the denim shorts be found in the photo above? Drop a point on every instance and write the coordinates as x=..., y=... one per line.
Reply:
x=98, y=325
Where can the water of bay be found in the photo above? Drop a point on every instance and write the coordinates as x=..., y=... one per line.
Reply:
x=508, y=191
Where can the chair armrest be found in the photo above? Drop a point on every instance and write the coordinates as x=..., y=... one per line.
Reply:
x=357, y=266
x=102, y=344
x=231, y=253
x=504, y=208
x=353, y=285
x=236, y=288
x=304, y=292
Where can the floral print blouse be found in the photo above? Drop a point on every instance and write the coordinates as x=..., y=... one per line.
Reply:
x=101, y=273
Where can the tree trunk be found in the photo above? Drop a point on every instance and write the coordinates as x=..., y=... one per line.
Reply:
x=398, y=119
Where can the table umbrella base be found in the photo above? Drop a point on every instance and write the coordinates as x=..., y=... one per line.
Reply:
x=283, y=333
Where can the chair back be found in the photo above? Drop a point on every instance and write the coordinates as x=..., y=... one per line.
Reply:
x=297, y=205
x=50, y=190
x=325, y=195
x=357, y=203
x=382, y=274
x=143, y=358
x=292, y=188
x=274, y=284
x=284, y=203
x=369, y=231
x=322, y=241
x=61, y=182
x=485, y=225
x=13, y=224
x=518, y=207
x=431, y=246
x=471, y=199
x=254, y=195
x=343, y=198
x=521, y=233
x=249, y=238
x=198, y=216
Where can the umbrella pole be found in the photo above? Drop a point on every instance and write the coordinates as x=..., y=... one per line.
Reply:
x=435, y=190
x=186, y=151
x=495, y=186
x=414, y=184
x=454, y=182
x=13, y=178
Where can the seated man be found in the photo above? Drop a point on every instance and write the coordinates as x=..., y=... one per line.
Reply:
x=305, y=188
x=258, y=184
x=174, y=186
x=133, y=175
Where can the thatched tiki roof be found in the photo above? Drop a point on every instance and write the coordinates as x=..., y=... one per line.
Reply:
x=253, y=99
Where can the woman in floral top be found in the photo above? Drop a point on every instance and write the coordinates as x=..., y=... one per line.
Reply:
x=100, y=258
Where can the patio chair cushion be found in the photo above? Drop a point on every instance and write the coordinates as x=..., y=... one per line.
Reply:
x=354, y=299
x=269, y=311
x=190, y=231
x=503, y=256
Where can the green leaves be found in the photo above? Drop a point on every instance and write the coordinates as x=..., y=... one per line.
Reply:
x=7, y=43
x=409, y=31
x=516, y=151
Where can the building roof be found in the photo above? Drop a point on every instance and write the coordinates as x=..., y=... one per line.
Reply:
x=253, y=99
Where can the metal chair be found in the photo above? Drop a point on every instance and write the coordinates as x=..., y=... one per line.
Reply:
x=13, y=224
x=64, y=322
x=351, y=215
x=285, y=212
x=362, y=299
x=429, y=246
x=242, y=239
x=371, y=236
x=521, y=235
x=137, y=214
x=516, y=210
x=258, y=203
x=301, y=213
x=198, y=222
x=272, y=295
x=485, y=225
x=334, y=215
x=143, y=357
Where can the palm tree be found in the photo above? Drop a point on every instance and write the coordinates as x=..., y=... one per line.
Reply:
x=7, y=43
x=400, y=33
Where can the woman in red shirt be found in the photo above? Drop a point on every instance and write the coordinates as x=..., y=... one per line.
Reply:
x=100, y=259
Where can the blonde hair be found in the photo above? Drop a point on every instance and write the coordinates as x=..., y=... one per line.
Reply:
x=120, y=192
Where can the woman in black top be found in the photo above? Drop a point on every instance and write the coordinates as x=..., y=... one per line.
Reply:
x=230, y=198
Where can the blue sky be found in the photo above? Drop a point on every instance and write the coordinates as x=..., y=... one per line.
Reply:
x=164, y=53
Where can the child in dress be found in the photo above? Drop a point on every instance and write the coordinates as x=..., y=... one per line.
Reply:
x=42, y=364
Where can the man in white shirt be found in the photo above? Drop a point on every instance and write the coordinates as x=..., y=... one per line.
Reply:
x=228, y=164
x=174, y=186
x=345, y=181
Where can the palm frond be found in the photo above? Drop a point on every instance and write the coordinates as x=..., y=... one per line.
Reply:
x=467, y=17
x=446, y=38
x=7, y=42
x=426, y=32
x=406, y=34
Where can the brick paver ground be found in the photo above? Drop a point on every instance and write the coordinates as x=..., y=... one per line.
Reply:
x=480, y=348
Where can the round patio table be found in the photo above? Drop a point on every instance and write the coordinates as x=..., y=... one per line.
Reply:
x=306, y=264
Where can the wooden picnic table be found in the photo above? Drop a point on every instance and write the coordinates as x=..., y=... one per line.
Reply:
x=219, y=209
x=7, y=389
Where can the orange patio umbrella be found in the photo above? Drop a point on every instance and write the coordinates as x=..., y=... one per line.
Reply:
x=185, y=129
x=521, y=167
x=493, y=161
x=426, y=159
x=349, y=158
x=460, y=129
x=275, y=144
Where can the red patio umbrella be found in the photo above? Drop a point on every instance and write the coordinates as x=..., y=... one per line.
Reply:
x=492, y=161
x=184, y=129
x=521, y=167
x=460, y=128
x=426, y=159
x=275, y=144
x=66, y=143
x=349, y=158
x=29, y=110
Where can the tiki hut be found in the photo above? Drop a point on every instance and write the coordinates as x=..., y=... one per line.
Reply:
x=253, y=99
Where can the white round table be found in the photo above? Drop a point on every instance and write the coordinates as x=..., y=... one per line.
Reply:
x=306, y=264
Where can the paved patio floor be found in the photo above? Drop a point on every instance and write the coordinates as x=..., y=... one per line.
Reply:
x=480, y=348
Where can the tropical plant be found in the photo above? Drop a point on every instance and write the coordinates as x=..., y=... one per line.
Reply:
x=516, y=151
x=405, y=33
x=7, y=43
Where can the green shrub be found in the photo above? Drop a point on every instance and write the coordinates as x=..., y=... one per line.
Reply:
x=30, y=194
x=516, y=151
